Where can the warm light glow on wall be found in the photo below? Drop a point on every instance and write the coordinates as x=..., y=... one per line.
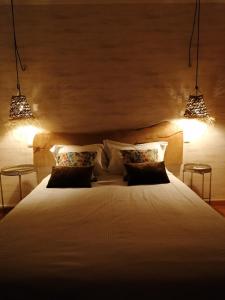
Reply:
x=193, y=129
x=25, y=133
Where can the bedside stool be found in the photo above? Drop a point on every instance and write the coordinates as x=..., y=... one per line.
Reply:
x=201, y=169
x=17, y=170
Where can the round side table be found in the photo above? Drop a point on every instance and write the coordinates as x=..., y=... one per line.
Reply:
x=17, y=170
x=201, y=169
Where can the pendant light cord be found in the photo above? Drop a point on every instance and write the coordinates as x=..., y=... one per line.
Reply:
x=192, y=32
x=16, y=50
x=197, y=50
x=196, y=16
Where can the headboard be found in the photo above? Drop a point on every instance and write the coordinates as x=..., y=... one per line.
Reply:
x=166, y=131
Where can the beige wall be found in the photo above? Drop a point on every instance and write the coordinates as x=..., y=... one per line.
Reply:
x=101, y=67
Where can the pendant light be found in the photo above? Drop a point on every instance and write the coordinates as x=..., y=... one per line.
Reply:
x=195, y=107
x=19, y=107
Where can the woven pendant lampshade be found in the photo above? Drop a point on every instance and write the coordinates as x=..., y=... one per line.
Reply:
x=196, y=108
x=19, y=108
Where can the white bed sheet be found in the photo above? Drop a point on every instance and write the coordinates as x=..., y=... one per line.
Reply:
x=113, y=233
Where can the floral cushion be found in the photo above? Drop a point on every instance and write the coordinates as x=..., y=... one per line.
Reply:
x=139, y=156
x=100, y=161
x=76, y=159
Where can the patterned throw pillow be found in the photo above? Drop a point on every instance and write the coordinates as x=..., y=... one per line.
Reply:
x=139, y=156
x=76, y=159
x=100, y=161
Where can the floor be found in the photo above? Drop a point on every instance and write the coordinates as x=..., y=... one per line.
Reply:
x=6, y=210
x=219, y=206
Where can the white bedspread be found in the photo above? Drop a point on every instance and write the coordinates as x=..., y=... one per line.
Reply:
x=113, y=233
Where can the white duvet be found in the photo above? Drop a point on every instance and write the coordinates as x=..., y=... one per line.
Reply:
x=113, y=233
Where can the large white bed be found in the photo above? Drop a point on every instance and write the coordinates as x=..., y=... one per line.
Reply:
x=113, y=241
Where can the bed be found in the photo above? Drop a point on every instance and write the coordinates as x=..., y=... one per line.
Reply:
x=112, y=241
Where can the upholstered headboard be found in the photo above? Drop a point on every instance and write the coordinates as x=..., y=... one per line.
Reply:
x=166, y=131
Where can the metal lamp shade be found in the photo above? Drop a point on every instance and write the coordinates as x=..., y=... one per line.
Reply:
x=19, y=108
x=196, y=108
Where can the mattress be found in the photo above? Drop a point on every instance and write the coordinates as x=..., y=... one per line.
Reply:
x=112, y=241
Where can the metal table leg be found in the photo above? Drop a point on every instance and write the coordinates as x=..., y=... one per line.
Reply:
x=20, y=187
x=3, y=206
x=203, y=184
x=191, y=179
x=210, y=186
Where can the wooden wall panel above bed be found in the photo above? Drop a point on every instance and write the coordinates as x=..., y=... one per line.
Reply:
x=164, y=131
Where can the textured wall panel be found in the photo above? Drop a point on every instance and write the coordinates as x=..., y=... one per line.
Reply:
x=105, y=67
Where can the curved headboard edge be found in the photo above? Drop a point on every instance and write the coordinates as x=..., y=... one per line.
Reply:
x=167, y=131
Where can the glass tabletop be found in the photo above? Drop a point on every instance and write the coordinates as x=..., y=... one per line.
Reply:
x=18, y=170
x=197, y=167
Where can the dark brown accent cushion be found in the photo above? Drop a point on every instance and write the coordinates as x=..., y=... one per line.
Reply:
x=146, y=173
x=70, y=177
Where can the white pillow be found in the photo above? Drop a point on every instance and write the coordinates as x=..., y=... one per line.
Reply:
x=112, y=149
x=115, y=160
x=101, y=160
